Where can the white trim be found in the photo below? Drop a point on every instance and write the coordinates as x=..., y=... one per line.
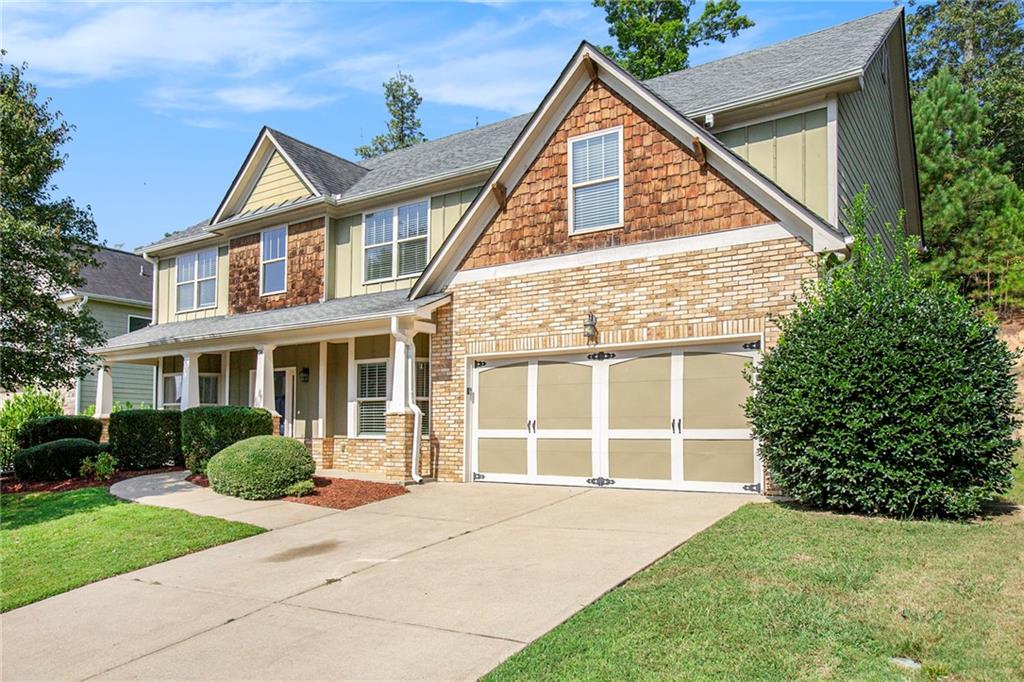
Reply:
x=283, y=258
x=654, y=249
x=388, y=366
x=574, y=186
x=807, y=86
x=321, y=391
x=196, y=279
x=394, y=241
x=128, y=327
x=832, y=133
x=287, y=419
x=295, y=167
x=328, y=256
x=163, y=376
x=781, y=113
x=225, y=371
x=351, y=427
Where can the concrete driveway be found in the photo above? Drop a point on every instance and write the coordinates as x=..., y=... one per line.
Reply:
x=442, y=583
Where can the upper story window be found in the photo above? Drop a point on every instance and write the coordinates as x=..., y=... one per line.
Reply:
x=273, y=261
x=595, y=181
x=395, y=241
x=197, y=280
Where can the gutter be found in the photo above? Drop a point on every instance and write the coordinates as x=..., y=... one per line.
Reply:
x=154, y=304
x=410, y=397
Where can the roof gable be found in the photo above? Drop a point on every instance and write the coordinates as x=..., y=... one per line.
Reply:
x=587, y=65
x=276, y=184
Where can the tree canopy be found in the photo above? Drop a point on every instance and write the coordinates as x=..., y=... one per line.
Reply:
x=402, y=101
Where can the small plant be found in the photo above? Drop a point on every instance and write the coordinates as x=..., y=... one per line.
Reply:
x=260, y=468
x=18, y=409
x=300, y=488
x=101, y=467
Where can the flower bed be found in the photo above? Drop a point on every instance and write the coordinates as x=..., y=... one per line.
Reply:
x=336, y=493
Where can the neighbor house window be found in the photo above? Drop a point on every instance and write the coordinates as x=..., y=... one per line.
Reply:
x=595, y=181
x=423, y=392
x=273, y=266
x=197, y=280
x=395, y=241
x=135, y=323
x=371, y=395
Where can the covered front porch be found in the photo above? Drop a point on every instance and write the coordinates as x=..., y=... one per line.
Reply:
x=356, y=391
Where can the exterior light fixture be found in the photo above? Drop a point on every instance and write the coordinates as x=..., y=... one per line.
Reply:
x=590, y=327
x=304, y=375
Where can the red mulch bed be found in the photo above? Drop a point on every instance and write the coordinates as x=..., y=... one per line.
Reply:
x=9, y=484
x=336, y=493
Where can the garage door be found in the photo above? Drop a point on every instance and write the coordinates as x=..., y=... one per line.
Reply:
x=666, y=418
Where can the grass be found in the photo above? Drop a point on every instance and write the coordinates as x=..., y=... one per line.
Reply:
x=1016, y=493
x=53, y=542
x=775, y=593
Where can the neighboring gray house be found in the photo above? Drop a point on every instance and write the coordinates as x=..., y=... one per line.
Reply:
x=119, y=294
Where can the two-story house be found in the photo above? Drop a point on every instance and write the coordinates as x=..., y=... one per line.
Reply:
x=569, y=296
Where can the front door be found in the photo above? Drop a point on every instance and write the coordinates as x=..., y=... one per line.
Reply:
x=284, y=397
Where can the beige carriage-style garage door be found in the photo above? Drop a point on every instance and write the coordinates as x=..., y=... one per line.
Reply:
x=655, y=418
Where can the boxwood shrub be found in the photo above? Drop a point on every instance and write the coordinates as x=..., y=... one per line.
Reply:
x=55, y=460
x=205, y=431
x=260, y=468
x=45, y=429
x=887, y=393
x=145, y=439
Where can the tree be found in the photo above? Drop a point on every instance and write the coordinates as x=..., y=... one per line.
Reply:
x=973, y=212
x=981, y=42
x=44, y=244
x=655, y=36
x=402, y=101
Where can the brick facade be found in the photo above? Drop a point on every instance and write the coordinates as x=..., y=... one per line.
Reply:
x=723, y=291
x=305, y=270
x=666, y=192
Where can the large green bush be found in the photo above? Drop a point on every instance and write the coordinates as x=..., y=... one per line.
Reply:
x=260, y=468
x=55, y=460
x=45, y=429
x=145, y=439
x=887, y=392
x=18, y=409
x=205, y=431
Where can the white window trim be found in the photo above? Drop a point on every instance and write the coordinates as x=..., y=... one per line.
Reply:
x=394, y=241
x=423, y=398
x=358, y=400
x=164, y=375
x=622, y=199
x=274, y=260
x=196, y=280
x=149, y=320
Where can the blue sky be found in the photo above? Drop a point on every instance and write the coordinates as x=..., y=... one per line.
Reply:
x=168, y=97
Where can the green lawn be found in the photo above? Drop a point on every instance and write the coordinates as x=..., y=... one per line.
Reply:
x=53, y=542
x=774, y=593
x=1016, y=494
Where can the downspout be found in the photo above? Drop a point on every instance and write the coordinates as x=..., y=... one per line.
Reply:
x=410, y=398
x=154, y=316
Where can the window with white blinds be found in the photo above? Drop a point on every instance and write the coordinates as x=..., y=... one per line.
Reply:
x=371, y=395
x=396, y=241
x=595, y=181
x=423, y=393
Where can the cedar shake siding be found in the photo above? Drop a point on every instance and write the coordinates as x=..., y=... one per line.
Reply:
x=305, y=270
x=666, y=192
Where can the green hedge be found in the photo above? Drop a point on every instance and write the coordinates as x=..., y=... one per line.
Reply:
x=205, y=431
x=55, y=460
x=45, y=429
x=145, y=439
x=260, y=468
x=18, y=409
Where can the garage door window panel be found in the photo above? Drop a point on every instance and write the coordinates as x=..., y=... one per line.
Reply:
x=714, y=391
x=639, y=393
x=502, y=401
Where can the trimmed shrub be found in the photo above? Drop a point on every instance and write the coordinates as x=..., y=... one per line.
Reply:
x=18, y=409
x=260, y=468
x=55, y=460
x=887, y=392
x=300, y=488
x=38, y=431
x=145, y=439
x=205, y=431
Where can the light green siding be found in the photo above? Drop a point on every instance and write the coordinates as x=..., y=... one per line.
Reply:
x=867, y=145
x=337, y=389
x=345, y=268
x=792, y=151
x=305, y=356
x=167, y=290
x=129, y=383
x=242, y=361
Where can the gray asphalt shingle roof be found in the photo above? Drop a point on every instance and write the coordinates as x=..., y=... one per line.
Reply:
x=335, y=310
x=119, y=275
x=812, y=58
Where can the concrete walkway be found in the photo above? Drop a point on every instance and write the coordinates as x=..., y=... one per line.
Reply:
x=442, y=583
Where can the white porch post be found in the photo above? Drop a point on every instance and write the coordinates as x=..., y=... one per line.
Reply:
x=321, y=387
x=189, y=381
x=399, y=403
x=263, y=392
x=104, y=391
x=225, y=377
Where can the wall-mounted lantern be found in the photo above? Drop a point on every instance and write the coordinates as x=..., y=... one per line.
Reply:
x=304, y=375
x=590, y=327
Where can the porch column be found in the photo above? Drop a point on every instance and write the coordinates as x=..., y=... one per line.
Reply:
x=104, y=391
x=399, y=403
x=263, y=392
x=189, y=380
x=321, y=388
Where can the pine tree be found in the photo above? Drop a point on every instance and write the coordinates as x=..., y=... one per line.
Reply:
x=973, y=211
x=402, y=101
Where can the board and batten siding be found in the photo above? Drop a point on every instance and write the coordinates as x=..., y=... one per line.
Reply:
x=345, y=277
x=867, y=144
x=792, y=151
x=129, y=383
x=278, y=183
x=167, y=289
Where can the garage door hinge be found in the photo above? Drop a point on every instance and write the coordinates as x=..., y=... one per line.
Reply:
x=753, y=345
x=752, y=487
x=601, y=355
x=477, y=477
x=601, y=481
x=479, y=363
